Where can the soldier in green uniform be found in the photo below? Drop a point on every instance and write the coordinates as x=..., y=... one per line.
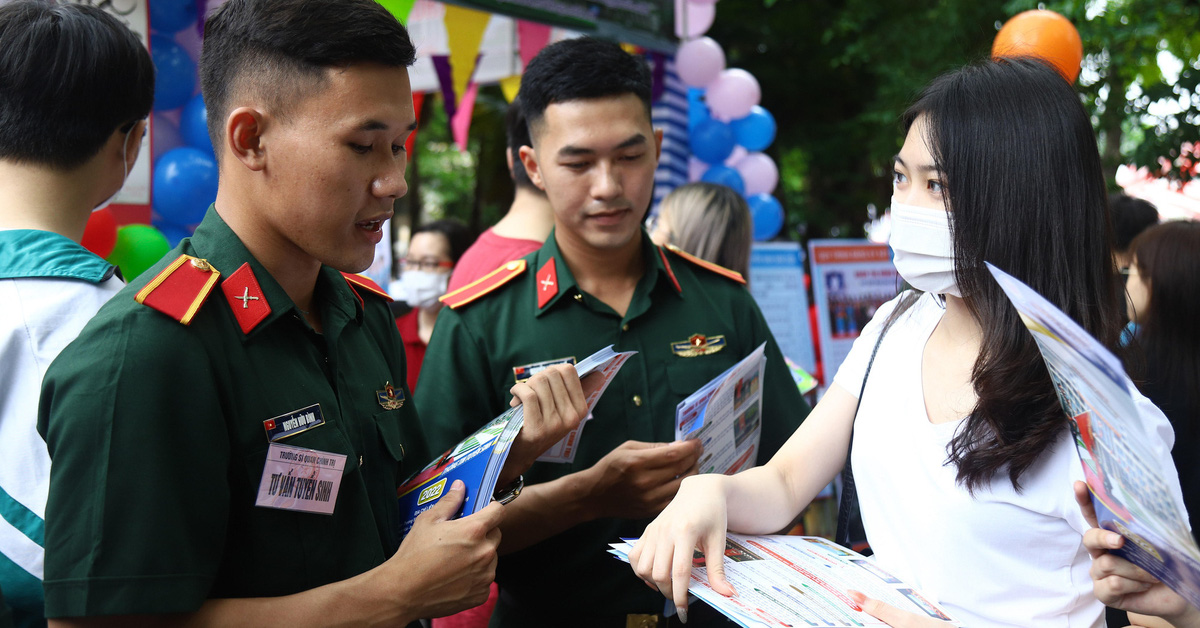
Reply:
x=598, y=280
x=228, y=433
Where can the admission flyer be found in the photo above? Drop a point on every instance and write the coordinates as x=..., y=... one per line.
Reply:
x=726, y=416
x=787, y=581
x=1133, y=489
x=478, y=459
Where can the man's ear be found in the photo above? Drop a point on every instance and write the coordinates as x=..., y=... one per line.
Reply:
x=658, y=137
x=134, y=143
x=529, y=158
x=508, y=158
x=243, y=137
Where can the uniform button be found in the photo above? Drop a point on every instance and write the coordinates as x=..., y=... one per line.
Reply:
x=360, y=462
x=579, y=297
x=637, y=400
x=625, y=327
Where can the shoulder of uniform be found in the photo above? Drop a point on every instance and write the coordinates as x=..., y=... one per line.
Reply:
x=485, y=284
x=707, y=265
x=359, y=281
x=181, y=288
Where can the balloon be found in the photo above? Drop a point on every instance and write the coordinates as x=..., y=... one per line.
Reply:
x=100, y=234
x=699, y=62
x=172, y=16
x=1043, y=34
x=185, y=184
x=696, y=169
x=193, y=124
x=175, y=78
x=174, y=233
x=724, y=175
x=164, y=136
x=191, y=41
x=756, y=131
x=767, y=215
x=734, y=157
x=697, y=110
x=759, y=172
x=711, y=141
x=733, y=94
x=697, y=17
x=138, y=247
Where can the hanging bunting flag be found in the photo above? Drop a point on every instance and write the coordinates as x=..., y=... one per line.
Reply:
x=460, y=123
x=532, y=37
x=510, y=86
x=399, y=8
x=464, y=34
x=418, y=102
x=441, y=65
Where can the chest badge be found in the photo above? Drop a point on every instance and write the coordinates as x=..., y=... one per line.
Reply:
x=391, y=398
x=698, y=344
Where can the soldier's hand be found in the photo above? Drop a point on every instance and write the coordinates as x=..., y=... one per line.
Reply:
x=445, y=566
x=637, y=480
x=554, y=405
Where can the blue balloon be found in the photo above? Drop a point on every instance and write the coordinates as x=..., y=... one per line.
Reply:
x=175, y=73
x=172, y=16
x=767, y=215
x=724, y=175
x=174, y=232
x=193, y=125
x=756, y=131
x=712, y=141
x=697, y=110
x=185, y=184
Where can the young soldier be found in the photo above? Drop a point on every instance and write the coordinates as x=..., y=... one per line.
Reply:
x=228, y=433
x=75, y=87
x=597, y=280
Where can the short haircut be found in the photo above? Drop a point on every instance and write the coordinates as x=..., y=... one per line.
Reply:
x=580, y=69
x=280, y=49
x=516, y=133
x=70, y=76
x=1130, y=216
x=458, y=235
x=711, y=222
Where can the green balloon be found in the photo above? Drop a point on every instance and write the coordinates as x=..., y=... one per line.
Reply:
x=138, y=247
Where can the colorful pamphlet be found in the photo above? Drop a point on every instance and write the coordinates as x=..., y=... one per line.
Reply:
x=726, y=416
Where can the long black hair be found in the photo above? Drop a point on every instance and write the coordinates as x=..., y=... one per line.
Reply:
x=1022, y=174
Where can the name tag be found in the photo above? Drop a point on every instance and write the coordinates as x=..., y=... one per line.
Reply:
x=300, y=479
x=524, y=372
x=293, y=423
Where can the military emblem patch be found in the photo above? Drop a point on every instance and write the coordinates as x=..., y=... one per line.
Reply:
x=390, y=398
x=698, y=344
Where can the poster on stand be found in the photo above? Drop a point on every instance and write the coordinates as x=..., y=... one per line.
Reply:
x=850, y=280
x=777, y=285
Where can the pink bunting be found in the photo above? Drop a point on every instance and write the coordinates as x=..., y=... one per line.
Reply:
x=460, y=123
x=532, y=37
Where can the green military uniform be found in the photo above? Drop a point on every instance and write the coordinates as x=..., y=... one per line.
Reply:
x=158, y=435
x=570, y=579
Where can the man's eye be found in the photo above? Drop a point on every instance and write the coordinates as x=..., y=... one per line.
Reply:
x=576, y=165
x=632, y=157
x=396, y=150
x=360, y=149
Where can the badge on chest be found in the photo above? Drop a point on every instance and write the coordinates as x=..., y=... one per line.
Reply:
x=293, y=422
x=300, y=479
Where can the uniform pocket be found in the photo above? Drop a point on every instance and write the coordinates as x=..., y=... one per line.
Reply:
x=388, y=425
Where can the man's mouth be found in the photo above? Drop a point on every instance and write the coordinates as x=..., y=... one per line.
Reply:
x=371, y=225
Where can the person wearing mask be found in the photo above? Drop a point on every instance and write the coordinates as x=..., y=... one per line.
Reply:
x=66, y=147
x=433, y=250
x=962, y=455
x=709, y=221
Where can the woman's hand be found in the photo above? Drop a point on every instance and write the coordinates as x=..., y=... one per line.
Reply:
x=696, y=518
x=893, y=616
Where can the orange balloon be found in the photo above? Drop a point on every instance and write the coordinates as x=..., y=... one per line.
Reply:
x=1043, y=34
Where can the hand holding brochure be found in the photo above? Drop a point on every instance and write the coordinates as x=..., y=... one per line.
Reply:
x=479, y=458
x=786, y=581
x=1132, y=485
x=726, y=416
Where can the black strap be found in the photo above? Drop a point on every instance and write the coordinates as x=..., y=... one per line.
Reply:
x=848, y=502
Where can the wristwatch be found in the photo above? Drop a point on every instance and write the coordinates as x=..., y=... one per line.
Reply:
x=508, y=493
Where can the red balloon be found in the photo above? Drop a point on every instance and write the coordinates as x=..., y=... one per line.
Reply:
x=100, y=235
x=1043, y=34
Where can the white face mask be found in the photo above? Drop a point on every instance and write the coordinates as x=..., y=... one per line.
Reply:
x=924, y=249
x=125, y=167
x=422, y=287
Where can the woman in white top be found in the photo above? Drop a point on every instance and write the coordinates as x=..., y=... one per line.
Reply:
x=962, y=455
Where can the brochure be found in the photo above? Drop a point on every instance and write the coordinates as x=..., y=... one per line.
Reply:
x=726, y=416
x=1132, y=487
x=786, y=581
x=478, y=459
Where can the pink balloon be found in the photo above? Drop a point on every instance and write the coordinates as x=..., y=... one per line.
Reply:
x=698, y=18
x=703, y=1
x=189, y=38
x=732, y=95
x=699, y=61
x=696, y=169
x=737, y=155
x=759, y=173
x=164, y=136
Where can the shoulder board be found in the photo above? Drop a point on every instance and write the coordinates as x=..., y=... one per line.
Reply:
x=358, y=281
x=707, y=265
x=484, y=284
x=181, y=288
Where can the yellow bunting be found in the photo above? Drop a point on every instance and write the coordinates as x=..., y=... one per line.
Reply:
x=464, y=34
x=510, y=86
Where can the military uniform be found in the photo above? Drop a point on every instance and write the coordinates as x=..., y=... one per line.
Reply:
x=158, y=418
x=688, y=320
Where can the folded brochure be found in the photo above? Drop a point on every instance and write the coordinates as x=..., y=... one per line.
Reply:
x=725, y=415
x=787, y=581
x=478, y=459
